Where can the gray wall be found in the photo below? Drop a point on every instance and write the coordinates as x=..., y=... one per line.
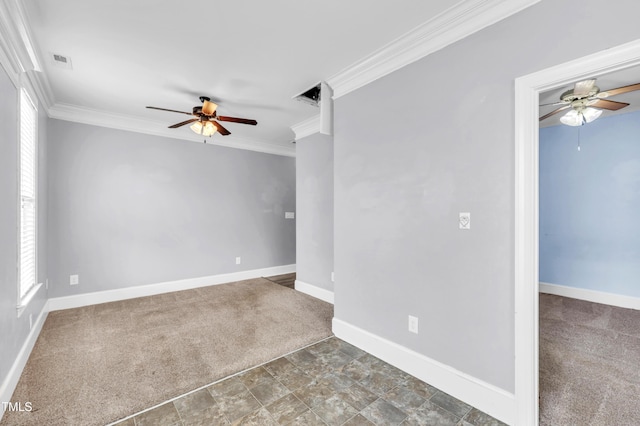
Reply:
x=14, y=330
x=433, y=139
x=128, y=209
x=314, y=210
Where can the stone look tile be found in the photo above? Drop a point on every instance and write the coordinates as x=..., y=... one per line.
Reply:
x=451, y=404
x=355, y=370
x=419, y=387
x=334, y=411
x=238, y=405
x=295, y=379
x=478, y=418
x=255, y=376
x=333, y=360
x=379, y=383
x=404, y=399
x=287, y=409
x=432, y=415
x=164, y=415
x=268, y=391
x=349, y=349
x=259, y=417
x=335, y=382
x=309, y=418
x=313, y=394
x=303, y=359
x=197, y=401
x=210, y=416
x=323, y=347
x=357, y=396
x=228, y=387
x=381, y=412
x=358, y=420
x=280, y=367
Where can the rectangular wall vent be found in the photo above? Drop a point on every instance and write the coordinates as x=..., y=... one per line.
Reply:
x=60, y=60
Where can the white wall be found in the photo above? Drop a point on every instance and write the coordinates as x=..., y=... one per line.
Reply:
x=433, y=139
x=314, y=215
x=128, y=209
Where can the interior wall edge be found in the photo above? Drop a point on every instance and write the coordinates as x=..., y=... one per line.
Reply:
x=314, y=291
x=484, y=396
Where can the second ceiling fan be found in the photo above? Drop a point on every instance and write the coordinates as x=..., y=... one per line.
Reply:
x=206, y=119
x=587, y=102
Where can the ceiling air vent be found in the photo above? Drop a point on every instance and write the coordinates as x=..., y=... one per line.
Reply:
x=311, y=96
x=61, y=60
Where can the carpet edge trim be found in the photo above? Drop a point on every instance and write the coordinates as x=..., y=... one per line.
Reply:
x=595, y=296
x=213, y=383
x=482, y=395
x=94, y=298
x=314, y=291
x=8, y=386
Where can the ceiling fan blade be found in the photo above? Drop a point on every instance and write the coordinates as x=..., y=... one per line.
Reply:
x=237, y=120
x=582, y=88
x=170, y=110
x=555, y=103
x=620, y=90
x=607, y=104
x=175, y=126
x=221, y=129
x=555, y=112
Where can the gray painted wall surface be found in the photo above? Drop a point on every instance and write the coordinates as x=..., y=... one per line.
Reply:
x=128, y=209
x=314, y=215
x=13, y=330
x=433, y=139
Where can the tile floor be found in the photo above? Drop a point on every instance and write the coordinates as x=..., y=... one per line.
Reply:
x=329, y=383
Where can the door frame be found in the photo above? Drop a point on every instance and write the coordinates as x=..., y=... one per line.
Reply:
x=527, y=90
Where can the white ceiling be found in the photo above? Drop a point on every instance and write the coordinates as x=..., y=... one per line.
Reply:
x=251, y=57
x=605, y=82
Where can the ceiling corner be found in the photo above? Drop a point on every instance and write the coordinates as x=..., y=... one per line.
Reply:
x=307, y=127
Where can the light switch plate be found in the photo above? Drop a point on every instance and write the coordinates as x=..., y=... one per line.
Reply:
x=465, y=220
x=73, y=280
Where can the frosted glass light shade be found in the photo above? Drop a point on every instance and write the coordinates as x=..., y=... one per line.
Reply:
x=209, y=129
x=197, y=127
x=591, y=114
x=578, y=118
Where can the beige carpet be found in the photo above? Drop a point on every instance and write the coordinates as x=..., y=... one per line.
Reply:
x=589, y=363
x=100, y=363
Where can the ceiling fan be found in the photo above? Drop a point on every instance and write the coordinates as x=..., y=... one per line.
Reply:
x=206, y=119
x=586, y=102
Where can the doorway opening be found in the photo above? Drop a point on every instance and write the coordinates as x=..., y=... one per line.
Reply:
x=527, y=90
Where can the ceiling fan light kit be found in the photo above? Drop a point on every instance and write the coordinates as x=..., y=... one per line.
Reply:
x=206, y=119
x=586, y=102
x=577, y=117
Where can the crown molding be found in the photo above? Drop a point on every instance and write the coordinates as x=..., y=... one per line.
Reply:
x=307, y=127
x=124, y=122
x=455, y=23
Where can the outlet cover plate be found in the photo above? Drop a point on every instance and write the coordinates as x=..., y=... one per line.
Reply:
x=413, y=324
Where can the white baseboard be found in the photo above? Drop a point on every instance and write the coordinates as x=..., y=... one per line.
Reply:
x=8, y=385
x=86, y=299
x=315, y=291
x=595, y=296
x=484, y=396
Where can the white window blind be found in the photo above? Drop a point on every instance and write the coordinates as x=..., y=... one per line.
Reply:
x=28, y=220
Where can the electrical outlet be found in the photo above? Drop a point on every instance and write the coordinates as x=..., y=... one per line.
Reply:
x=413, y=324
x=238, y=260
x=46, y=284
x=73, y=280
x=333, y=278
x=464, y=220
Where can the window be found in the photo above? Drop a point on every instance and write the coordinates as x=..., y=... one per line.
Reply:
x=28, y=219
